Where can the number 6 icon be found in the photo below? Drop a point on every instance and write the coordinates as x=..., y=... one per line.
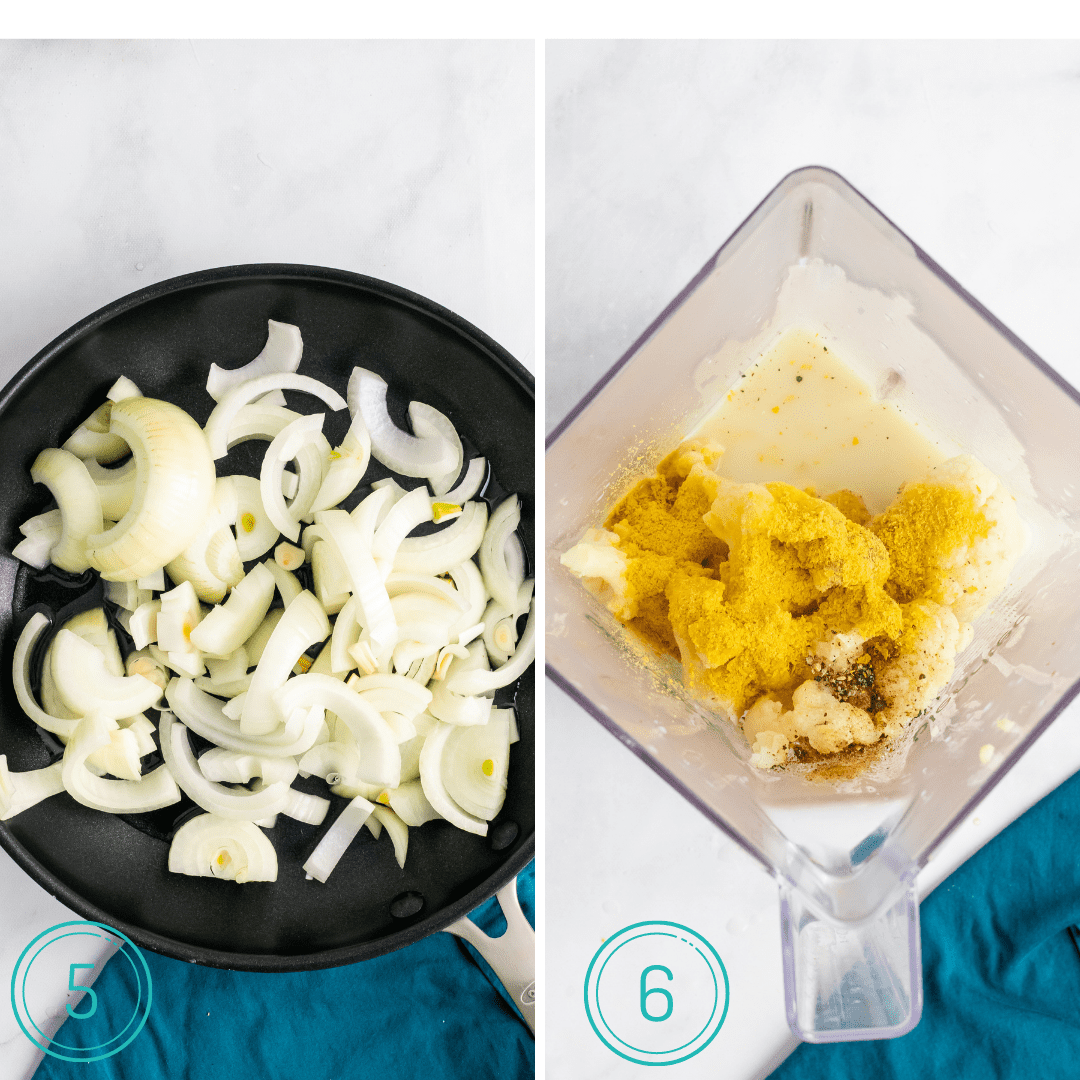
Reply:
x=646, y=991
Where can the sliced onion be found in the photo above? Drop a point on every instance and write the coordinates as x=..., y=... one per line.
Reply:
x=229, y=850
x=288, y=585
x=228, y=626
x=437, y=552
x=205, y=716
x=406, y=454
x=93, y=439
x=20, y=674
x=303, y=625
x=116, y=486
x=493, y=564
x=346, y=634
x=380, y=759
x=19, y=791
x=434, y=788
x=453, y=708
x=36, y=550
x=428, y=422
x=348, y=463
x=472, y=483
x=376, y=615
x=393, y=693
x=49, y=521
x=398, y=830
x=86, y=685
x=305, y=430
x=411, y=804
x=221, y=419
x=230, y=767
x=335, y=762
x=474, y=766
x=282, y=352
x=154, y=791
x=233, y=803
x=484, y=682
x=192, y=564
x=407, y=513
x=80, y=505
x=337, y=838
x=174, y=490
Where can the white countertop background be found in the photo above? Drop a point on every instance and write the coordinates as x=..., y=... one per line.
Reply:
x=656, y=152
x=126, y=163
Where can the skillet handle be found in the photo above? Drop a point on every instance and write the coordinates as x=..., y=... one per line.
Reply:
x=512, y=956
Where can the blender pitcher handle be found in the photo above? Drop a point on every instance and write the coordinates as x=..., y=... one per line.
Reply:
x=849, y=981
x=512, y=956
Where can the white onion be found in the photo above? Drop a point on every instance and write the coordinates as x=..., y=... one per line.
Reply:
x=221, y=419
x=80, y=505
x=303, y=625
x=405, y=454
x=154, y=791
x=428, y=422
x=282, y=352
x=472, y=483
x=337, y=838
x=483, y=682
x=174, y=490
x=211, y=846
x=439, y=551
x=19, y=791
x=434, y=788
x=233, y=803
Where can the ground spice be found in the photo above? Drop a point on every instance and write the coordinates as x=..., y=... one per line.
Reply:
x=820, y=629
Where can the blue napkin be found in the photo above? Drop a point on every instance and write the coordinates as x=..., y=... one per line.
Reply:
x=1001, y=966
x=426, y=1011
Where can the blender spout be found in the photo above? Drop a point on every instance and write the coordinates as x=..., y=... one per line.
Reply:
x=851, y=981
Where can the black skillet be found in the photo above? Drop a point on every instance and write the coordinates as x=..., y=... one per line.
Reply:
x=113, y=870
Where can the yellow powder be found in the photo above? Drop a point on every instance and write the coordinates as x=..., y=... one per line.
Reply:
x=921, y=529
x=765, y=590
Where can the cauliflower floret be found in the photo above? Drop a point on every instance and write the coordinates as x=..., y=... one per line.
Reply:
x=931, y=639
x=597, y=559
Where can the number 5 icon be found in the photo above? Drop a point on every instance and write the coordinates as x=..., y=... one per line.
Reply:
x=72, y=985
x=646, y=991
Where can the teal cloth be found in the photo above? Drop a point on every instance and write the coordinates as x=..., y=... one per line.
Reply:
x=1001, y=967
x=426, y=1011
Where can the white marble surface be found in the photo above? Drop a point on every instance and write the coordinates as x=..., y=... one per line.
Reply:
x=122, y=164
x=656, y=151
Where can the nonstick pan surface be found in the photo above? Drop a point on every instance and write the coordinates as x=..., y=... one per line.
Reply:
x=112, y=869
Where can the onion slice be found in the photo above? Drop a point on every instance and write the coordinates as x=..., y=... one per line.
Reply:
x=220, y=422
x=380, y=759
x=434, y=788
x=154, y=791
x=174, y=490
x=483, y=682
x=233, y=803
x=437, y=552
x=501, y=583
x=20, y=674
x=428, y=422
x=19, y=791
x=282, y=352
x=337, y=838
x=77, y=496
x=211, y=846
x=406, y=454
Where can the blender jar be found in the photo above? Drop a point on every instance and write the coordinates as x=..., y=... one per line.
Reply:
x=816, y=255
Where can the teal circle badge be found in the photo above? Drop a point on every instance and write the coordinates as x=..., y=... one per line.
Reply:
x=656, y=993
x=60, y=959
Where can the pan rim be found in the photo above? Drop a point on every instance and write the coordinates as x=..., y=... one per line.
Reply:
x=171, y=947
